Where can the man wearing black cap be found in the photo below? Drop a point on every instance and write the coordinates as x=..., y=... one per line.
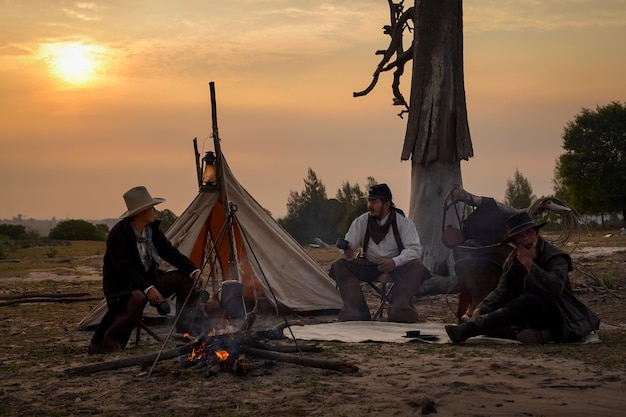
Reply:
x=534, y=301
x=389, y=244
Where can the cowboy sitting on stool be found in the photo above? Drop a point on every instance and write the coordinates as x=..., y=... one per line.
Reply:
x=131, y=275
x=390, y=244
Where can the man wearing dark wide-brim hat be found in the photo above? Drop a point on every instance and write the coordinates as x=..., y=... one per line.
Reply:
x=533, y=301
x=132, y=278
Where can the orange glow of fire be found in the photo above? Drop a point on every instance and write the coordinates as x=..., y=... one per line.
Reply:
x=196, y=354
x=222, y=355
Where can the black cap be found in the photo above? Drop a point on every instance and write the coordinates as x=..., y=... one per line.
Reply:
x=381, y=191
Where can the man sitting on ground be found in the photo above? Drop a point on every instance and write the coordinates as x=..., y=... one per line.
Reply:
x=533, y=301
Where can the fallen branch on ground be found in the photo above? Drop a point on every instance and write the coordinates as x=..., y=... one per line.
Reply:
x=300, y=360
x=42, y=294
x=47, y=300
x=127, y=362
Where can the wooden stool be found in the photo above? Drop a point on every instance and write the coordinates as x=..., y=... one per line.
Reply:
x=142, y=325
x=383, y=286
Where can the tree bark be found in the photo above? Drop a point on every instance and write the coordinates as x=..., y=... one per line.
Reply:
x=437, y=135
x=430, y=184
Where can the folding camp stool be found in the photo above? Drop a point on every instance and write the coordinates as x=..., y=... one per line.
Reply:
x=142, y=325
x=383, y=285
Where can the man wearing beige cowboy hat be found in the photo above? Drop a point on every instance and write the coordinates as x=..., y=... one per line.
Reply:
x=131, y=275
x=533, y=301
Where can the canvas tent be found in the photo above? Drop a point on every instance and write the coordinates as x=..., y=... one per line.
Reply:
x=270, y=263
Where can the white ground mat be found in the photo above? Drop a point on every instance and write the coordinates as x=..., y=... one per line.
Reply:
x=382, y=331
x=370, y=331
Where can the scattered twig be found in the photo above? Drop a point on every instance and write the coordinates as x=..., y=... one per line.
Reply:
x=590, y=274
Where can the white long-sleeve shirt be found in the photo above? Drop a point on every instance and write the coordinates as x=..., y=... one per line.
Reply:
x=387, y=248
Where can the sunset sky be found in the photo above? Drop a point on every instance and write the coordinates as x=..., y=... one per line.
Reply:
x=100, y=96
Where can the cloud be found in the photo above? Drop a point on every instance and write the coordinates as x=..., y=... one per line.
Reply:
x=515, y=15
x=84, y=11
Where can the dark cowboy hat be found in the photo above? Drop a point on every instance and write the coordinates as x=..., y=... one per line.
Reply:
x=381, y=191
x=519, y=223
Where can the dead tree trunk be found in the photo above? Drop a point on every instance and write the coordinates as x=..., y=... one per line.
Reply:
x=437, y=135
x=428, y=190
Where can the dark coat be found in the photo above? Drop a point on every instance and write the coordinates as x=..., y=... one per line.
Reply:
x=548, y=278
x=123, y=270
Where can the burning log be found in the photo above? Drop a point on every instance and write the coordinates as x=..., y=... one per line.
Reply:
x=223, y=352
x=231, y=352
x=237, y=363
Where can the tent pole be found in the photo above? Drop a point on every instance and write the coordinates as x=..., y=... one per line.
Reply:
x=222, y=187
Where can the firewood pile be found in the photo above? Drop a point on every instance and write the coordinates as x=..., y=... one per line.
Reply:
x=239, y=352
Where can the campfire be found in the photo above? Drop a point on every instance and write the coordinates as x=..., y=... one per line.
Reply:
x=228, y=351
x=215, y=353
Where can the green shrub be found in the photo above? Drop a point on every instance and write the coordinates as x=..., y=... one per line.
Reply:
x=78, y=230
x=6, y=246
x=14, y=231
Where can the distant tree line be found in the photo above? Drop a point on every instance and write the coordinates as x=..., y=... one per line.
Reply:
x=13, y=236
x=78, y=230
x=311, y=214
x=590, y=177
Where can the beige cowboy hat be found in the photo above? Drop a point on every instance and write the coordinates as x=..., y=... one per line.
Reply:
x=137, y=200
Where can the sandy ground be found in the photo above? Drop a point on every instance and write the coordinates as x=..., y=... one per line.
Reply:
x=40, y=343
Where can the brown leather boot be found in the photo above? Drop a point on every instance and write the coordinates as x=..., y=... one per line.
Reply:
x=94, y=349
x=402, y=314
x=460, y=333
x=408, y=279
x=354, y=306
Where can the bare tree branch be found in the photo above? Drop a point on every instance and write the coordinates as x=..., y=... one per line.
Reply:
x=399, y=21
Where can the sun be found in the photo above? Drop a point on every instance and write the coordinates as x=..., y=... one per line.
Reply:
x=73, y=63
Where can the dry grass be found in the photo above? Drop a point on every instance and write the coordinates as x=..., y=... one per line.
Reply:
x=40, y=340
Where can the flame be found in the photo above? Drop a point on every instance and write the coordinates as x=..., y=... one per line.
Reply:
x=197, y=354
x=222, y=354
